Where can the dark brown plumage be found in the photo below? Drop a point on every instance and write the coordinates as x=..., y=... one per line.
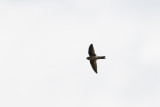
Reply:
x=93, y=57
x=91, y=51
x=94, y=65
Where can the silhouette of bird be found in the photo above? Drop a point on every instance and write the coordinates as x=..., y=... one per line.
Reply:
x=93, y=57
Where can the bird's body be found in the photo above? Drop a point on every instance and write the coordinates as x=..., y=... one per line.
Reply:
x=93, y=57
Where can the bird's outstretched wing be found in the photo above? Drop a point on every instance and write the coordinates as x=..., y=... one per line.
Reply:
x=94, y=65
x=91, y=51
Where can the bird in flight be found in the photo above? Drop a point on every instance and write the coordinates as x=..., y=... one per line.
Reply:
x=93, y=57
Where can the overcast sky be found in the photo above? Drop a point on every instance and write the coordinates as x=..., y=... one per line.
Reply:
x=44, y=45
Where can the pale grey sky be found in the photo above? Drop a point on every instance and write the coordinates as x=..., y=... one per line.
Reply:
x=36, y=36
